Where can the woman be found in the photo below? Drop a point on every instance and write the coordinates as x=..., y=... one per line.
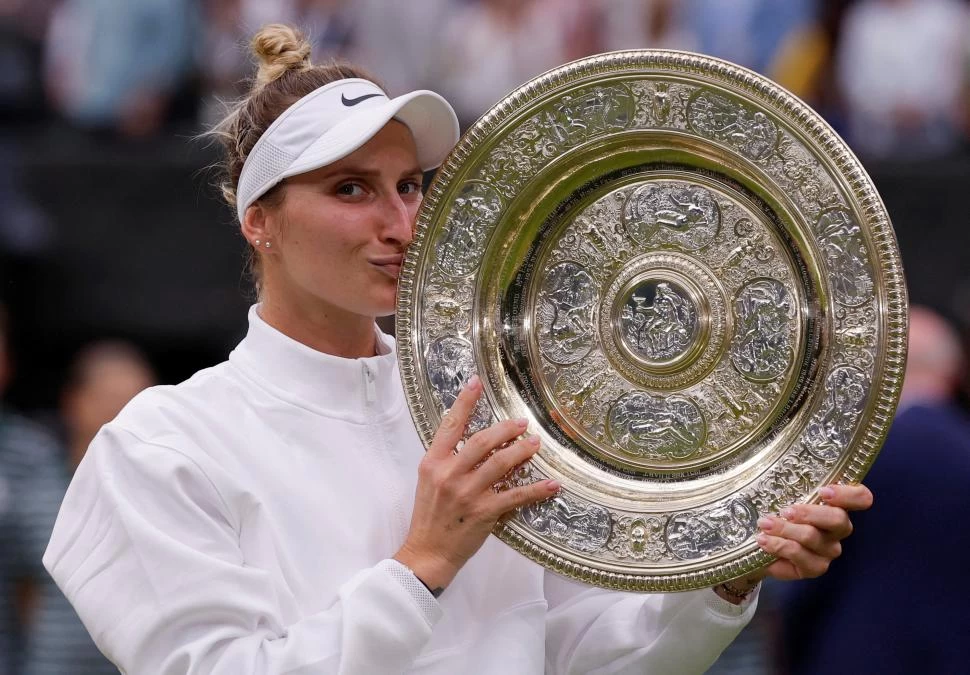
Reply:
x=278, y=513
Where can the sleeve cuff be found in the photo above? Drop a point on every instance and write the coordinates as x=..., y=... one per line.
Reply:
x=722, y=607
x=422, y=598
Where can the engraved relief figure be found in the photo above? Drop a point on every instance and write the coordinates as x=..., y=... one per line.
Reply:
x=462, y=243
x=579, y=116
x=515, y=160
x=661, y=103
x=444, y=316
x=686, y=217
x=584, y=391
x=795, y=478
x=659, y=328
x=659, y=427
x=640, y=538
x=580, y=526
x=694, y=535
x=751, y=132
x=830, y=429
x=450, y=365
x=802, y=170
x=762, y=348
x=564, y=313
x=841, y=241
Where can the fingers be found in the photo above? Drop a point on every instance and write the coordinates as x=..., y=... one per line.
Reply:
x=848, y=497
x=809, y=537
x=503, y=461
x=479, y=445
x=795, y=561
x=510, y=500
x=831, y=519
x=454, y=422
x=785, y=570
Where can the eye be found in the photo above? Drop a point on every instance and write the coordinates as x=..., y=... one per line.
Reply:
x=350, y=189
x=409, y=187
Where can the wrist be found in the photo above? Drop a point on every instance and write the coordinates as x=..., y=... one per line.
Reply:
x=737, y=591
x=432, y=571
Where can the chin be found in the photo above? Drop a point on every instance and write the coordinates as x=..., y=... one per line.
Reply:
x=384, y=307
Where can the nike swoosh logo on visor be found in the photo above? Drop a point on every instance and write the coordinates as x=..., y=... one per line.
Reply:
x=354, y=101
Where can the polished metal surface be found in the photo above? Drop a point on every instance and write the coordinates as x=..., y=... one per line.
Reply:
x=686, y=282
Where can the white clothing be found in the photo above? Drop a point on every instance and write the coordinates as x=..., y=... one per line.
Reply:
x=243, y=522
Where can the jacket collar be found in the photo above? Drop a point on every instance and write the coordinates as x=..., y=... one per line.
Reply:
x=357, y=390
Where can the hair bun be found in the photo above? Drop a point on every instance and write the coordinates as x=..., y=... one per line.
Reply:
x=279, y=48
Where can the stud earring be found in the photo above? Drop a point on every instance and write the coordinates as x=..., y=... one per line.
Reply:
x=267, y=244
x=256, y=242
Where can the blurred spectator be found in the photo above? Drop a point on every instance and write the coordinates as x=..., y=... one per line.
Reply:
x=493, y=46
x=103, y=378
x=902, y=69
x=23, y=24
x=40, y=634
x=804, y=62
x=223, y=63
x=747, y=32
x=24, y=229
x=122, y=66
x=900, y=586
x=647, y=24
x=32, y=483
x=403, y=46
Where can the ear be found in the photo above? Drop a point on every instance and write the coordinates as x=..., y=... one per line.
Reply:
x=256, y=225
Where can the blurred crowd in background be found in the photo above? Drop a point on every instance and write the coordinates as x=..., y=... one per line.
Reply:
x=119, y=268
x=890, y=74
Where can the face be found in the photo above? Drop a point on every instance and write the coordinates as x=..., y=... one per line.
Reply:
x=109, y=389
x=339, y=235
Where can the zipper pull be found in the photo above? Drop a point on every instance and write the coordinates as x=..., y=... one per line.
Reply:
x=370, y=391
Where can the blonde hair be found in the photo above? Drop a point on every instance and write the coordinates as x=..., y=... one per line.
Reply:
x=284, y=75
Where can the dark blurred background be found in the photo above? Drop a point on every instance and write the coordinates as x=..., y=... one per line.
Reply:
x=110, y=228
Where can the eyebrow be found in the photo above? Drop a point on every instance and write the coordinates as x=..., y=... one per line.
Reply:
x=368, y=173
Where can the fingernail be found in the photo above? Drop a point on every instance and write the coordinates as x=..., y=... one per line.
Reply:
x=474, y=381
x=553, y=485
x=788, y=514
x=765, y=523
x=522, y=422
x=762, y=539
x=827, y=493
x=533, y=441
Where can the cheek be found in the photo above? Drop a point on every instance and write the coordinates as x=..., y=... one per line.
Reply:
x=413, y=213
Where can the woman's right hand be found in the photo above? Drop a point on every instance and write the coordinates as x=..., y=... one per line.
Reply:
x=456, y=505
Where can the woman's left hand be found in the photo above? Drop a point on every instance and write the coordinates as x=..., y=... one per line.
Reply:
x=807, y=537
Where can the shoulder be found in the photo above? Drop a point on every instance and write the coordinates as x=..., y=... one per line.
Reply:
x=158, y=412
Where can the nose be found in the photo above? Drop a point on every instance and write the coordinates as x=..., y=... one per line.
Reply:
x=398, y=225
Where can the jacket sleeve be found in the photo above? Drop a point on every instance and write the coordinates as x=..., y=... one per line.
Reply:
x=147, y=551
x=591, y=630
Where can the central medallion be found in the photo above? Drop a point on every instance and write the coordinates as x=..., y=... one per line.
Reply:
x=658, y=321
x=663, y=320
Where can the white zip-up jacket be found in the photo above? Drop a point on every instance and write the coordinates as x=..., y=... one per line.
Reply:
x=244, y=520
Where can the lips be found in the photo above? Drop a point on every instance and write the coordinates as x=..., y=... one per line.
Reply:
x=389, y=264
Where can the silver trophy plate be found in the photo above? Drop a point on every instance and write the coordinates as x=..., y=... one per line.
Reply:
x=686, y=282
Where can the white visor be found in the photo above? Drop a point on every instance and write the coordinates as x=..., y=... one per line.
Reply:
x=331, y=122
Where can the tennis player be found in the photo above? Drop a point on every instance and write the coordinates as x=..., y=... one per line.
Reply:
x=278, y=513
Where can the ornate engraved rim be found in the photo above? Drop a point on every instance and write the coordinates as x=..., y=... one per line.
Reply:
x=800, y=120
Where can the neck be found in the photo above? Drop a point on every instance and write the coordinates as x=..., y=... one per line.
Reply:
x=325, y=329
